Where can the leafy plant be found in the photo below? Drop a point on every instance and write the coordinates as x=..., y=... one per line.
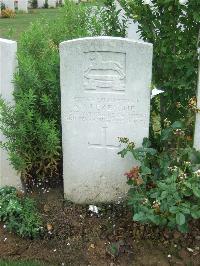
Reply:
x=33, y=3
x=165, y=186
x=173, y=28
x=33, y=126
x=46, y=5
x=19, y=213
x=104, y=20
x=113, y=26
x=7, y=13
x=2, y=6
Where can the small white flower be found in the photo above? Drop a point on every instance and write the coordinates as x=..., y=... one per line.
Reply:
x=4, y=226
x=93, y=208
x=190, y=250
x=169, y=256
x=183, y=2
x=54, y=250
x=197, y=172
x=5, y=239
x=155, y=92
x=147, y=2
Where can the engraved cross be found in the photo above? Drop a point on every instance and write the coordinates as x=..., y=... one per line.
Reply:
x=103, y=144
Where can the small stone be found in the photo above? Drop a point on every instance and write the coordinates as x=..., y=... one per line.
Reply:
x=190, y=250
x=49, y=227
x=92, y=246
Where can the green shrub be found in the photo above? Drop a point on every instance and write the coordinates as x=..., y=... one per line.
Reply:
x=33, y=125
x=33, y=3
x=2, y=5
x=174, y=31
x=165, y=187
x=7, y=13
x=19, y=213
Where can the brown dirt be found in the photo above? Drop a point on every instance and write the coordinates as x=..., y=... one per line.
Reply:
x=78, y=237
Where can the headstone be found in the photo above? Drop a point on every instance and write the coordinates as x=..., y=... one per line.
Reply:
x=132, y=27
x=8, y=65
x=23, y=5
x=197, y=124
x=40, y=3
x=51, y=3
x=105, y=94
x=9, y=4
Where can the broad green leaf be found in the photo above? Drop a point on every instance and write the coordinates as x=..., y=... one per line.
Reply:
x=139, y=216
x=196, y=191
x=180, y=218
x=177, y=125
x=145, y=170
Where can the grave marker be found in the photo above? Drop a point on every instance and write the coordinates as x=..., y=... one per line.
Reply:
x=105, y=94
x=9, y=4
x=8, y=65
x=40, y=3
x=23, y=5
x=52, y=3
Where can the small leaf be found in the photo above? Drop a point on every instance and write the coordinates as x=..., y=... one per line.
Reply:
x=138, y=216
x=180, y=218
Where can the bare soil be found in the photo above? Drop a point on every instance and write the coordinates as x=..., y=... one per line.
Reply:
x=76, y=236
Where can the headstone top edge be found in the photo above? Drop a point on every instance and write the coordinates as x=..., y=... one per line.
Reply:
x=7, y=41
x=120, y=39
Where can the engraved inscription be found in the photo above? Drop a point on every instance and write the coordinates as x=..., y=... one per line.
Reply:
x=103, y=144
x=101, y=109
x=104, y=72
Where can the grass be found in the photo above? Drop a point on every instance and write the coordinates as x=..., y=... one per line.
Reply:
x=11, y=28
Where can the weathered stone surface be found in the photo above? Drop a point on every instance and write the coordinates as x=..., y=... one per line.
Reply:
x=197, y=124
x=9, y=4
x=23, y=5
x=40, y=3
x=132, y=27
x=105, y=94
x=8, y=64
x=52, y=3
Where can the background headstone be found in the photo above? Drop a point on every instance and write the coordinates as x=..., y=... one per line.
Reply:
x=40, y=3
x=9, y=4
x=132, y=27
x=8, y=65
x=51, y=3
x=197, y=124
x=105, y=94
x=23, y=5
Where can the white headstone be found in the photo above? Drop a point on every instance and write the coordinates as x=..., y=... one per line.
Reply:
x=132, y=27
x=197, y=124
x=9, y=4
x=23, y=5
x=8, y=65
x=40, y=3
x=105, y=94
x=51, y=3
